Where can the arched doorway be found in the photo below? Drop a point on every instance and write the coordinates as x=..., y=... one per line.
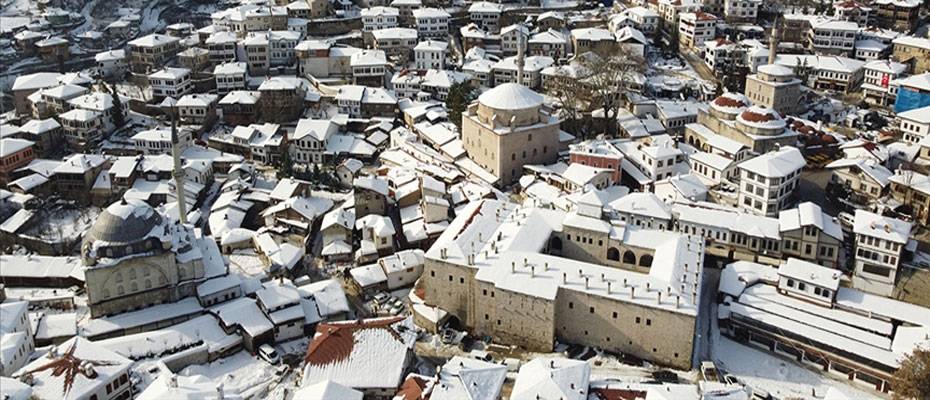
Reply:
x=613, y=254
x=629, y=257
x=645, y=260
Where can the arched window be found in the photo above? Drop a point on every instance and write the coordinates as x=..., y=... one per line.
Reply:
x=613, y=254
x=629, y=257
x=555, y=243
x=148, y=284
x=134, y=287
x=645, y=260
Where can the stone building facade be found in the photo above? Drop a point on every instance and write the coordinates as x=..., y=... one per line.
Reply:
x=135, y=258
x=507, y=128
x=531, y=276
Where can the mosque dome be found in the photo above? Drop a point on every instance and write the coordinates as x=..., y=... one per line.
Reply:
x=125, y=221
x=511, y=96
x=731, y=103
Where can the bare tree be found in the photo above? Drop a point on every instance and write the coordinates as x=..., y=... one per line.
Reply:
x=609, y=74
x=571, y=94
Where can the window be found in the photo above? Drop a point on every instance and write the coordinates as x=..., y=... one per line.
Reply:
x=571, y=305
x=648, y=322
x=637, y=320
x=802, y=286
x=791, y=283
x=591, y=310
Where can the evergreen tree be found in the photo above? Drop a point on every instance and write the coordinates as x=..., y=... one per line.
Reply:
x=461, y=94
x=287, y=166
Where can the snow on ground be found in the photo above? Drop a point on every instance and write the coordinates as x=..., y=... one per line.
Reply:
x=240, y=373
x=780, y=377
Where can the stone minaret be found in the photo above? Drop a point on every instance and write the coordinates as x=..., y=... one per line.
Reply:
x=773, y=42
x=178, y=170
x=520, y=60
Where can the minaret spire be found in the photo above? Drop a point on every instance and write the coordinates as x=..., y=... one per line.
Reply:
x=178, y=170
x=773, y=42
x=520, y=59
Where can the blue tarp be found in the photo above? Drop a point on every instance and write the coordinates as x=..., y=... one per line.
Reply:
x=909, y=99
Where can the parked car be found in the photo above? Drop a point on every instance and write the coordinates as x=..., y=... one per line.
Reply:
x=480, y=355
x=380, y=297
x=269, y=354
x=447, y=336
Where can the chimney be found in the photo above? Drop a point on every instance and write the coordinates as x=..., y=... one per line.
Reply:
x=624, y=282
x=563, y=278
x=586, y=282
x=632, y=292
x=546, y=266
x=677, y=301
x=608, y=287
x=513, y=267
x=532, y=271
x=647, y=287
x=658, y=297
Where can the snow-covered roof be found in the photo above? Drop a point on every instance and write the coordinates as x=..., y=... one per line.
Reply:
x=871, y=168
x=919, y=115
x=485, y=7
x=368, y=57
x=38, y=80
x=379, y=11
x=394, y=33
x=368, y=275
x=153, y=40
x=552, y=377
x=79, y=163
x=468, y=378
x=66, y=381
x=197, y=100
x=511, y=96
x=776, y=164
x=913, y=41
x=10, y=146
x=809, y=214
x=170, y=73
x=878, y=226
x=592, y=34
x=811, y=273
x=817, y=63
x=243, y=312
x=430, y=12
x=429, y=44
x=325, y=390
x=230, y=68
x=241, y=97
x=365, y=354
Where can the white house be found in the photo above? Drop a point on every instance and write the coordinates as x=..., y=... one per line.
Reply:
x=430, y=54
x=915, y=124
x=171, y=82
x=768, y=181
x=432, y=22
x=112, y=63
x=309, y=139
x=880, y=243
x=375, y=18
x=230, y=76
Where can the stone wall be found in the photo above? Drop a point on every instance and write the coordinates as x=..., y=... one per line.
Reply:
x=644, y=332
x=511, y=317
